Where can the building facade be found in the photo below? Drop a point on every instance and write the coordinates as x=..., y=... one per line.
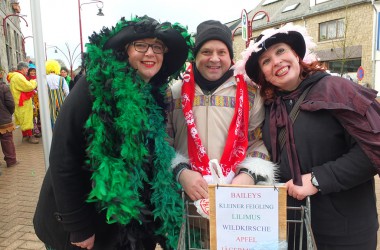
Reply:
x=11, y=38
x=345, y=32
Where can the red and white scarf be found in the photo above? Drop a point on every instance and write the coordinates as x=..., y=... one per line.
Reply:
x=237, y=139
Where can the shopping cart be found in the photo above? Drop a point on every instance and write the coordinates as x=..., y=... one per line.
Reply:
x=195, y=233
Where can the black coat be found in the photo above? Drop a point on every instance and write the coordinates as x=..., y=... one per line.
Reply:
x=62, y=215
x=344, y=212
x=68, y=149
x=7, y=105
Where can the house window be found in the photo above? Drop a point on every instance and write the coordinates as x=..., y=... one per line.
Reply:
x=9, y=56
x=17, y=46
x=3, y=4
x=259, y=17
x=331, y=30
x=269, y=2
x=291, y=7
x=8, y=47
x=8, y=39
x=320, y=1
x=349, y=66
x=16, y=36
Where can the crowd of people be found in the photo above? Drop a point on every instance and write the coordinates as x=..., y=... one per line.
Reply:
x=22, y=82
x=155, y=112
x=20, y=107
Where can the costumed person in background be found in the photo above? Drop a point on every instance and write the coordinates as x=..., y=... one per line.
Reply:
x=207, y=107
x=65, y=74
x=23, y=90
x=331, y=149
x=7, y=107
x=109, y=158
x=58, y=88
x=32, y=75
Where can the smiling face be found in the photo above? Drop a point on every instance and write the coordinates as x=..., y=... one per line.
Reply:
x=63, y=73
x=280, y=66
x=32, y=72
x=146, y=63
x=213, y=60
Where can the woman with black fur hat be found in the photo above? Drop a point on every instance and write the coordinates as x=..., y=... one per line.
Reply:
x=108, y=184
x=329, y=149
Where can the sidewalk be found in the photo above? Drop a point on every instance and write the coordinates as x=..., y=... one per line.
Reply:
x=19, y=190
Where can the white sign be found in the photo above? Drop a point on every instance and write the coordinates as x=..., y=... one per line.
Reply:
x=246, y=217
x=244, y=25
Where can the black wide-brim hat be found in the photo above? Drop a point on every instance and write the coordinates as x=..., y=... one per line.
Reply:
x=293, y=38
x=148, y=27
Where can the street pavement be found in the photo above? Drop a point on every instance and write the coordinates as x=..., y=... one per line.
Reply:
x=19, y=190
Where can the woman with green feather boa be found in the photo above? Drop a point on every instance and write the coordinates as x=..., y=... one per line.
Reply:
x=108, y=185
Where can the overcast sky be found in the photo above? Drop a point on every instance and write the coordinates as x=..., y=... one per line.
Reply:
x=60, y=18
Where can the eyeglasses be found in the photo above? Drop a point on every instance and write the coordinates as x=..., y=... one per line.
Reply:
x=143, y=47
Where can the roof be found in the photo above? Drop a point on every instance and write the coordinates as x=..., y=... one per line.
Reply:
x=299, y=9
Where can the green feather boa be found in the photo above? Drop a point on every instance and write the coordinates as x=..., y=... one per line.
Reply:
x=118, y=147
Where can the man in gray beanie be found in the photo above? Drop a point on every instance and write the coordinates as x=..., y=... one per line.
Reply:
x=213, y=30
x=214, y=115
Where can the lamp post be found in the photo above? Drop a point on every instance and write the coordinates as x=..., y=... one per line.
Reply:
x=71, y=57
x=6, y=17
x=48, y=47
x=23, y=43
x=100, y=13
x=249, y=24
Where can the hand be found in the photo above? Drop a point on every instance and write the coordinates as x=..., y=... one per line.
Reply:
x=301, y=192
x=87, y=244
x=194, y=184
x=242, y=179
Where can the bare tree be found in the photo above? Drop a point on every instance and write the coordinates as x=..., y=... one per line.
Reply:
x=343, y=47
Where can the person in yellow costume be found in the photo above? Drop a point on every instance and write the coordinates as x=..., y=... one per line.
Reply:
x=23, y=91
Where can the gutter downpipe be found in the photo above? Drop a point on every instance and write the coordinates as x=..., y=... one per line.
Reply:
x=375, y=35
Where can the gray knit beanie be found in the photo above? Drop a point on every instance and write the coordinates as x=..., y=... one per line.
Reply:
x=213, y=30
